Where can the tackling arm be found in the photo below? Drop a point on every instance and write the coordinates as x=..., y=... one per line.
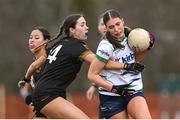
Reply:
x=90, y=56
x=35, y=65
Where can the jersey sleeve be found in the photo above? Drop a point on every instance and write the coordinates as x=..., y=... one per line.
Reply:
x=104, y=51
x=79, y=49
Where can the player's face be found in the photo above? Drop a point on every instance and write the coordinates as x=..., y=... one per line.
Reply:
x=81, y=29
x=102, y=27
x=35, y=39
x=116, y=27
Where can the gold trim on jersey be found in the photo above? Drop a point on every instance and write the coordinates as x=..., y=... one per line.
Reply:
x=84, y=54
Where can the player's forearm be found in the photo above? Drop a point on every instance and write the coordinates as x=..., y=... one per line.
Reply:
x=30, y=71
x=35, y=66
x=99, y=81
x=94, y=74
x=114, y=65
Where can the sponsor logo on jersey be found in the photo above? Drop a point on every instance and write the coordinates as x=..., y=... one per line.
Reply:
x=104, y=53
x=126, y=58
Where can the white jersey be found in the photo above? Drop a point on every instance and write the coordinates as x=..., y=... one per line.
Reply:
x=105, y=52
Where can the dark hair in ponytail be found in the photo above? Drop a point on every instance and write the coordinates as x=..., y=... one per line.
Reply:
x=107, y=16
x=111, y=14
x=52, y=41
x=69, y=22
x=57, y=35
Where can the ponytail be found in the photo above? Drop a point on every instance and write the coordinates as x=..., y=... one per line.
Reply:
x=47, y=43
x=69, y=22
x=57, y=36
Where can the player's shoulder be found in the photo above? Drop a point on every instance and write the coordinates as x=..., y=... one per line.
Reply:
x=105, y=43
x=73, y=41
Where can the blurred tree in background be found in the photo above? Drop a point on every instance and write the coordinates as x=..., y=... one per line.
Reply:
x=18, y=17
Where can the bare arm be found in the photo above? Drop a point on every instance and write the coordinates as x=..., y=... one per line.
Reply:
x=35, y=65
x=93, y=74
x=114, y=65
x=94, y=70
x=90, y=56
x=97, y=66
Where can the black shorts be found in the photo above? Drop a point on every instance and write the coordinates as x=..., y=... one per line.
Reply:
x=39, y=114
x=42, y=98
x=28, y=101
x=111, y=105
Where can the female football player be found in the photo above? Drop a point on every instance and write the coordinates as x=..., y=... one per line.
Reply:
x=38, y=36
x=121, y=91
x=102, y=31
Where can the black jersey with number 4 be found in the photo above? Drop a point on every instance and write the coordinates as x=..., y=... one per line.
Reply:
x=62, y=65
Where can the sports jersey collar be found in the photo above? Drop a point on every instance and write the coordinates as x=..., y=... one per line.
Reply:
x=121, y=39
x=71, y=38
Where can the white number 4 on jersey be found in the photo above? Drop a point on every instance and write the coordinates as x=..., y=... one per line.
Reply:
x=53, y=53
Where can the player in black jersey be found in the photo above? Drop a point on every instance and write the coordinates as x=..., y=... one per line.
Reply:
x=63, y=63
x=38, y=36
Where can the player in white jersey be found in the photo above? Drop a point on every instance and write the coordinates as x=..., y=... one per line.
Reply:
x=107, y=51
x=101, y=32
x=121, y=92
